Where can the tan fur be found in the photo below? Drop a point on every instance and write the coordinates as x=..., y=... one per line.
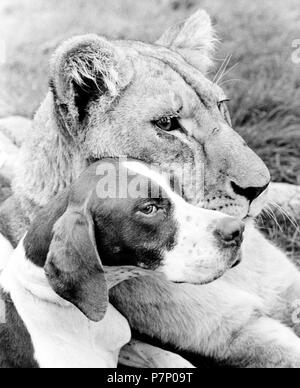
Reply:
x=241, y=319
x=150, y=82
x=195, y=44
x=122, y=87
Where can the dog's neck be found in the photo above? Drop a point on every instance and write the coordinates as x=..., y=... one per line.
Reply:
x=61, y=335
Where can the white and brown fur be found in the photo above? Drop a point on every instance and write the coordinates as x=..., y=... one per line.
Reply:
x=41, y=330
x=55, y=289
x=154, y=81
x=44, y=331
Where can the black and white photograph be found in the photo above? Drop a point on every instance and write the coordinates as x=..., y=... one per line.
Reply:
x=149, y=187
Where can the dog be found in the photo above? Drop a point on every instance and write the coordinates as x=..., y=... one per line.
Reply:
x=55, y=286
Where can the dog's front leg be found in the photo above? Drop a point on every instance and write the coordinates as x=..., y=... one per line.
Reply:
x=264, y=343
x=141, y=355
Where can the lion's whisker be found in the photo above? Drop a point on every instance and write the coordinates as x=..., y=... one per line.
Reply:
x=222, y=69
x=269, y=212
x=227, y=72
x=285, y=214
x=230, y=80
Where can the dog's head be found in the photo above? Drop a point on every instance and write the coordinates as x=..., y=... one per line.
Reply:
x=154, y=102
x=125, y=214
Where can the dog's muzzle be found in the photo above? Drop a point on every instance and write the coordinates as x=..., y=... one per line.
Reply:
x=230, y=232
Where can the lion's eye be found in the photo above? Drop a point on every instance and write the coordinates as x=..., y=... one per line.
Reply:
x=225, y=111
x=149, y=210
x=168, y=124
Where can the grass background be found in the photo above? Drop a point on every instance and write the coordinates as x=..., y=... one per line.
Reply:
x=264, y=83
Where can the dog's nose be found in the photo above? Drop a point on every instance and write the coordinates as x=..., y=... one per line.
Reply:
x=230, y=231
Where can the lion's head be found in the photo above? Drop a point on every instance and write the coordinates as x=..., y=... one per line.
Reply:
x=154, y=102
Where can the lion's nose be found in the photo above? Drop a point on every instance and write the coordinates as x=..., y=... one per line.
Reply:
x=251, y=193
x=230, y=231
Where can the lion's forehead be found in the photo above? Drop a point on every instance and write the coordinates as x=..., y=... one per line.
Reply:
x=159, y=66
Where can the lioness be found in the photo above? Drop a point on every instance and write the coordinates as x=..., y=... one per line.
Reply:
x=154, y=102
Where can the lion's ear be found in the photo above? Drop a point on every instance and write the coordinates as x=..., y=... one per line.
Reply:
x=194, y=39
x=83, y=70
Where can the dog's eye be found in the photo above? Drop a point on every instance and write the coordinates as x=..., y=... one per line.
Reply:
x=168, y=124
x=223, y=107
x=149, y=210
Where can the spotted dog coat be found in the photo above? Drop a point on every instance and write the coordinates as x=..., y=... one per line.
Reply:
x=55, y=287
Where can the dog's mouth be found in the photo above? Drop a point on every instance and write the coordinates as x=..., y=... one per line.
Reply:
x=236, y=264
x=238, y=259
x=203, y=282
x=249, y=217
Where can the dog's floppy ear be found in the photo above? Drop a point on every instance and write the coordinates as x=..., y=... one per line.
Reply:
x=73, y=266
x=194, y=39
x=83, y=70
